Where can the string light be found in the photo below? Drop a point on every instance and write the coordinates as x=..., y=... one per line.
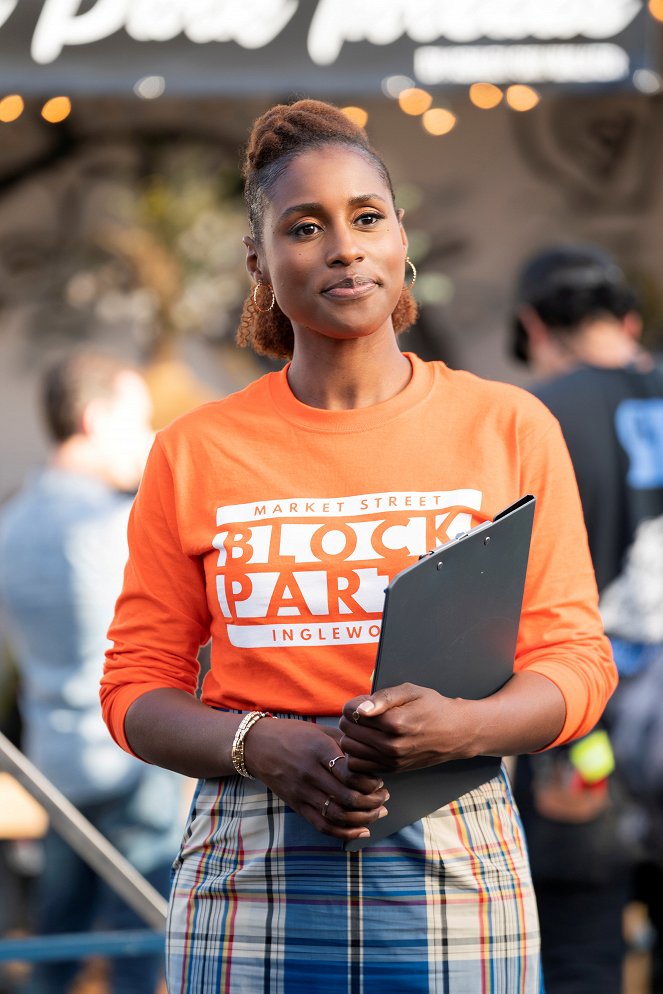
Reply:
x=56, y=109
x=656, y=9
x=438, y=121
x=647, y=81
x=520, y=97
x=150, y=87
x=357, y=115
x=485, y=95
x=414, y=101
x=11, y=107
x=392, y=86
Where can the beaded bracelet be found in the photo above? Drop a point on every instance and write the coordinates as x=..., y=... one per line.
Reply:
x=237, y=751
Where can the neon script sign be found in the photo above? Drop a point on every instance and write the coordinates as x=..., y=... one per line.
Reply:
x=62, y=23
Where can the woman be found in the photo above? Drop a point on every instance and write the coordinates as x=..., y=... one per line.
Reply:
x=272, y=521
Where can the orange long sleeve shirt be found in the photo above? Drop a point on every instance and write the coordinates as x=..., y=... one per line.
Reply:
x=274, y=528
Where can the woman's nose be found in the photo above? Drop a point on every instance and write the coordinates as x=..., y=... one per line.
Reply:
x=343, y=247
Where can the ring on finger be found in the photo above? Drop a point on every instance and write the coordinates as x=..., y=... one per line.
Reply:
x=333, y=761
x=325, y=806
x=355, y=717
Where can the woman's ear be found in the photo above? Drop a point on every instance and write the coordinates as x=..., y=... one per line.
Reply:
x=252, y=259
x=400, y=214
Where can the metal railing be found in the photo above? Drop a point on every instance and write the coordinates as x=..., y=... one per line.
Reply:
x=110, y=864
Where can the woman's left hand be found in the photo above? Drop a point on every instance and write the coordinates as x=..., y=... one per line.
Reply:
x=404, y=728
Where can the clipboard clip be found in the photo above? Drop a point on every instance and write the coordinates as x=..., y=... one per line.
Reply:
x=457, y=537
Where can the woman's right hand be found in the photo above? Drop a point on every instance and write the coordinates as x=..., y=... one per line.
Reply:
x=294, y=759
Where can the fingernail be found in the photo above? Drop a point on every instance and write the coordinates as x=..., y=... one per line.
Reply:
x=383, y=813
x=366, y=707
x=365, y=834
x=388, y=795
x=380, y=784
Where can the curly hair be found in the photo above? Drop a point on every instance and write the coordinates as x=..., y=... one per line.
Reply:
x=278, y=136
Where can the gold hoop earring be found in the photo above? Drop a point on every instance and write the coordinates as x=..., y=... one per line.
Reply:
x=412, y=266
x=263, y=310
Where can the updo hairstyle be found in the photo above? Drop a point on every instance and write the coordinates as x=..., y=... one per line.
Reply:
x=277, y=137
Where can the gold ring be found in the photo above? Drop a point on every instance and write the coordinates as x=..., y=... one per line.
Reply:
x=331, y=762
x=325, y=806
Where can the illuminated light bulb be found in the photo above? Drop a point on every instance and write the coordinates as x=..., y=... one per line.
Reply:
x=438, y=121
x=414, y=101
x=485, y=95
x=520, y=97
x=11, y=107
x=647, y=81
x=656, y=9
x=357, y=115
x=393, y=86
x=56, y=109
x=150, y=87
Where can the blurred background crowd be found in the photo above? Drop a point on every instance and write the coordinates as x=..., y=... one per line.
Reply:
x=509, y=127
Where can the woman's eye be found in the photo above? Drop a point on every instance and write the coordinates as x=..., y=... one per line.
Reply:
x=305, y=229
x=368, y=218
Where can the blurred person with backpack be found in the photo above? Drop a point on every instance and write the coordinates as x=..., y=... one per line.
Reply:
x=577, y=324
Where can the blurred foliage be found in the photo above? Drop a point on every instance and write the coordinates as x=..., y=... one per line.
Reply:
x=142, y=237
x=183, y=246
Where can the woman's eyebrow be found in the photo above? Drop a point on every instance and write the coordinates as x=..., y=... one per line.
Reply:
x=308, y=208
x=313, y=207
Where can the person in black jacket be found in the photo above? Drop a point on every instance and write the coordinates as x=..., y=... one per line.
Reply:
x=577, y=324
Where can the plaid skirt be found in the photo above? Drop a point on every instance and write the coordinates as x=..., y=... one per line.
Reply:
x=261, y=903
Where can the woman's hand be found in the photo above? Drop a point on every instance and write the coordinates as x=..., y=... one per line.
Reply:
x=304, y=765
x=404, y=728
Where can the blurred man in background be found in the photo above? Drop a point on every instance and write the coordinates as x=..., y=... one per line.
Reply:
x=62, y=554
x=577, y=323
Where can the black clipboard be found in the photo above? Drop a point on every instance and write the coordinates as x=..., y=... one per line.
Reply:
x=451, y=622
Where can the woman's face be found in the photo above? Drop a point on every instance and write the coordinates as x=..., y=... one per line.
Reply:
x=333, y=246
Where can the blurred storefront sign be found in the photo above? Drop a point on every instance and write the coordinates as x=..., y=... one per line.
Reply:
x=322, y=46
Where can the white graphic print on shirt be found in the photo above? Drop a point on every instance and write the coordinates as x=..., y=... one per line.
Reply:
x=312, y=571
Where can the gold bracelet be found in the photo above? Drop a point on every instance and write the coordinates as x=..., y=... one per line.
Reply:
x=237, y=751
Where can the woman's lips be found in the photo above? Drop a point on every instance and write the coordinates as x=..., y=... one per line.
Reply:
x=351, y=286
